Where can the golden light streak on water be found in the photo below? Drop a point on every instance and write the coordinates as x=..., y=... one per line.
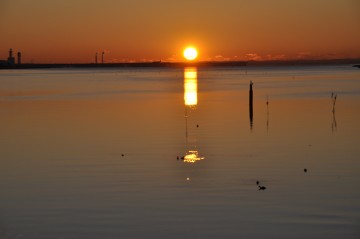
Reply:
x=190, y=86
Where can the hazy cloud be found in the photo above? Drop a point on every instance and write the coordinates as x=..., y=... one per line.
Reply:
x=253, y=57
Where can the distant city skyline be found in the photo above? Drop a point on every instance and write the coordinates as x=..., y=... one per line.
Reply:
x=140, y=30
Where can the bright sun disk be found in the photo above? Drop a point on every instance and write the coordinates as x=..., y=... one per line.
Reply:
x=190, y=53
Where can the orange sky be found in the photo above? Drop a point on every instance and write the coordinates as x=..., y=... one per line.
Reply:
x=69, y=31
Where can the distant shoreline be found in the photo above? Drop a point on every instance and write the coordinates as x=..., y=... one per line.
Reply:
x=354, y=62
x=126, y=64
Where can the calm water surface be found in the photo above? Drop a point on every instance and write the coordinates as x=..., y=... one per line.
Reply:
x=91, y=153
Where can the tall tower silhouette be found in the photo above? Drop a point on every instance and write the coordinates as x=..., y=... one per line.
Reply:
x=19, y=58
x=11, y=59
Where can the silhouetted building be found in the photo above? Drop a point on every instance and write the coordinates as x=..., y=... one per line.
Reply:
x=11, y=59
x=19, y=58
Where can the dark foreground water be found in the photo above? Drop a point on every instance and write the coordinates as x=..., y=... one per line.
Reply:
x=93, y=153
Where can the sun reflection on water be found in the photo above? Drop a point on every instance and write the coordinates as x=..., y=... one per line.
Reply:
x=190, y=86
x=190, y=101
x=192, y=156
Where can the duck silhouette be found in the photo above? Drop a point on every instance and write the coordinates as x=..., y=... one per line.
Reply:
x=262, y=187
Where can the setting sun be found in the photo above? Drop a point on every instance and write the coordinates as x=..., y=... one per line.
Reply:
x=190, y=53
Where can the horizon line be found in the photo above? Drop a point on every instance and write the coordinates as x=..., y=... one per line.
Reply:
x=354, y=61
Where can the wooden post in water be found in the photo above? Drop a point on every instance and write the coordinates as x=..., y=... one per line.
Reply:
x=251, y=104
x=333, y=98
x=267, y=111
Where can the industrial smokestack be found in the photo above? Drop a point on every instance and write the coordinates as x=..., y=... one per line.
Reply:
x=19, y=58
